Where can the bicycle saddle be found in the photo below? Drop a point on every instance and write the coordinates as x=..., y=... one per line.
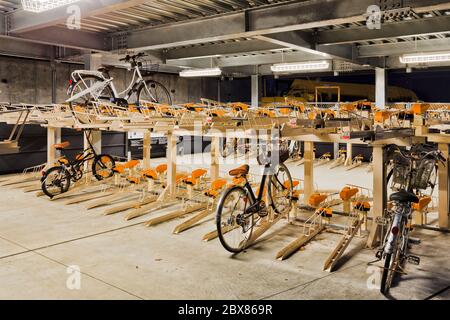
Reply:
x=404, y=196
x=240, y=172
x=61, y=146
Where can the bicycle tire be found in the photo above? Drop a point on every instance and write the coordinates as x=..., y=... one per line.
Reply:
x=63, y=189
x=220, y=231
x=109, y=95
x=290, y=194
x=165, y=100
x=387, y=264
x=99, y=160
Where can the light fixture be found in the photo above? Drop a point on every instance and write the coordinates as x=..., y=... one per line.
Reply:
x=209, y=72
x=44, y=5
x=300, y=66
x=425, y=58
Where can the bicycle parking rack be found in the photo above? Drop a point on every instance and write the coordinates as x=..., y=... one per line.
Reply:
x=337, y=123
x=357, y=218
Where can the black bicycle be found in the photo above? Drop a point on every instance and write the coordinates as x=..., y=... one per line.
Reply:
x=240, y=209
x=57, y=180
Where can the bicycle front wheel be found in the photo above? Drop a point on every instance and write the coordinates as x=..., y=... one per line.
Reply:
x=281, y=189
x=153, y=91
x=234, y=227
x=103, y=166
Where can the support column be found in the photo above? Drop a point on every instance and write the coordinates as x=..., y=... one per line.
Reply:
x=379, y=193
x=95, y=137
x=147, y=149
x=215, y=146
x=336, y=151
x=443, y=189
x=309, y=170
x=255, y=91
x=51, y=141
x=171, y=163
x=92, y=61
x=380, y=88
x=349, y=160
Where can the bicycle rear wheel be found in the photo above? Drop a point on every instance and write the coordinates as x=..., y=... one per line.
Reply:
x=234, y=229
x=281, y=189
x=56, y=181
x=82, y=108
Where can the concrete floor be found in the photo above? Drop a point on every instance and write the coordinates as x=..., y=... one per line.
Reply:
x=40, y=239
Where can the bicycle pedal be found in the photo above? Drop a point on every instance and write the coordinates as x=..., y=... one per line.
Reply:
x=263, y=212
x=414, y=260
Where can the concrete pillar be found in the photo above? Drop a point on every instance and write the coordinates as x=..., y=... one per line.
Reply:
x=255, y=91
x=380, y=88
x=92, y=61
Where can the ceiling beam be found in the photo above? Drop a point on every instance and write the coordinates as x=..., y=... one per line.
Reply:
x=391, y=30
x=63, y=37
x=26, y=49
x=399, y=48
x=23, y=21
x=247, y=60
x=222, y=49
x=278, y=18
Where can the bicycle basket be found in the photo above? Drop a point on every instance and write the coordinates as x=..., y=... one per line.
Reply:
x=400, y=172
x=423, y=174
x=148, y=68
x=277, y=156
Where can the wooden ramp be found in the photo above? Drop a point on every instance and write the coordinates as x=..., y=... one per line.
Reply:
x=175, y=214
x=133, y=204
x=294, y=246
x=192, y=221
x=342, y=245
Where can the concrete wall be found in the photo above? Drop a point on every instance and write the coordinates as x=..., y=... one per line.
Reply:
x=30, y=81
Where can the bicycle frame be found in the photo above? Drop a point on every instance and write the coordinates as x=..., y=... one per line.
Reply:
x=258, y=199
x=95, y=90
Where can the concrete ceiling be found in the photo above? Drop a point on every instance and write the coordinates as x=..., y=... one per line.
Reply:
x=232, y=33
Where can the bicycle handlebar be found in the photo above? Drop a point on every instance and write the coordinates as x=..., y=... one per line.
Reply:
x=419, y=153
x=131, y=58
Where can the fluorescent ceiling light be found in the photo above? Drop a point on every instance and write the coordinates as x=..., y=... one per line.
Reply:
x=192, y=73
x=300, y=66
x=44, y=5
x=425, y=58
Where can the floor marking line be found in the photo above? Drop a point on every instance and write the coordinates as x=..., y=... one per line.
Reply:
x=66, y=241
x=83, y=273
